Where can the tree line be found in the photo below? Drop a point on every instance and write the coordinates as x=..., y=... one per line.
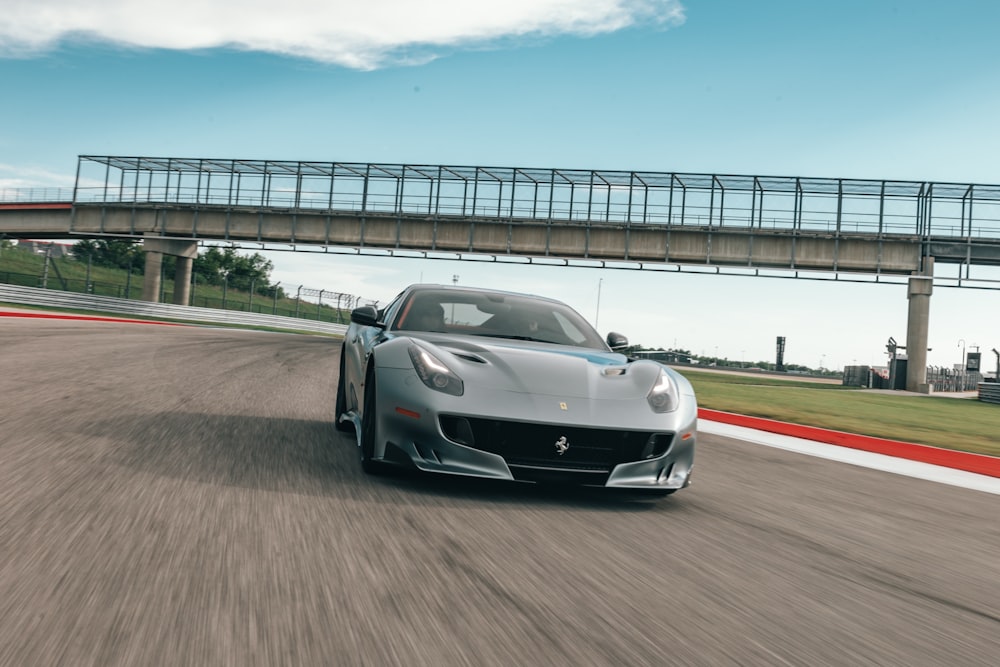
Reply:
x=214, y=266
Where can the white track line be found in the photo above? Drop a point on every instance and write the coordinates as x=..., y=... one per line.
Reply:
x=856, y=457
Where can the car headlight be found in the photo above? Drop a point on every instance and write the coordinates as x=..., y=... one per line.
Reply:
x=433, y=373
x=663, y=396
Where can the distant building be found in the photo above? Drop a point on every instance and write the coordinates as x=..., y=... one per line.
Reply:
x=872, y=377
x=665, y=356
x=42, y=247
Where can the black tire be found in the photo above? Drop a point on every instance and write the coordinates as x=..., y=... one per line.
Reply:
x=341, y=404
x=369, y=428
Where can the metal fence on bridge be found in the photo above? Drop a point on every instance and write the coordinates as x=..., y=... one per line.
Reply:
x=35, y=195
x=834, y=205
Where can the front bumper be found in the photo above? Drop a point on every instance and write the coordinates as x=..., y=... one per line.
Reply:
x=411, y=434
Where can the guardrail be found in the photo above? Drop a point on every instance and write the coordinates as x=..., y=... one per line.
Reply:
x=989, y=392
x=35, y=195
x=35, y=296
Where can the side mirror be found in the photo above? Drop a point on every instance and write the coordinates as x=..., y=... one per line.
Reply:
x=366, y=316
x=617, y=342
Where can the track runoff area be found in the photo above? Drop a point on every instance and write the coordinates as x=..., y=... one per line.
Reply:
x=969, y=471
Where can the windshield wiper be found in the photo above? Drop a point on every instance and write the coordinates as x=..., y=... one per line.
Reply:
x=515, y=337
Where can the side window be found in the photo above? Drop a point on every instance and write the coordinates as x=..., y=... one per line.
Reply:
x=420, y=311
x=390, y=308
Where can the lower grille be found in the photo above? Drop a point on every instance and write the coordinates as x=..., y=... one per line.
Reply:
x=530, y=448
x=559, y=476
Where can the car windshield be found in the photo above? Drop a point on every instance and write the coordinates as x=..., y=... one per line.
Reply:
x=496, y=315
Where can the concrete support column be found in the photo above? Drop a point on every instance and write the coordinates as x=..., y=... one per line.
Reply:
x=917, y=327
x=151, y=279
x=185, y=252
x=182, y=281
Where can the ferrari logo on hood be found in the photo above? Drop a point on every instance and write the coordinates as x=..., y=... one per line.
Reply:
x=562, y=444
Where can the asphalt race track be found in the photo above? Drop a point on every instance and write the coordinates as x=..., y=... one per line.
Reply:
x=178, y=496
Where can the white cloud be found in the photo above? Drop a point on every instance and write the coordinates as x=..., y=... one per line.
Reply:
x=360, y=35
x=14, y=177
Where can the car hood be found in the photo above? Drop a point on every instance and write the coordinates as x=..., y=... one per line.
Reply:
x=544, y=369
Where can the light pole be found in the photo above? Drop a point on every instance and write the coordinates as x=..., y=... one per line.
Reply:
x=961, y=341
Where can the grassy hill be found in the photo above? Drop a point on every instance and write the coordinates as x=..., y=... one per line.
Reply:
x=28, y=269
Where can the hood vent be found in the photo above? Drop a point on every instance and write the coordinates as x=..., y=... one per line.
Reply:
x=469, y=357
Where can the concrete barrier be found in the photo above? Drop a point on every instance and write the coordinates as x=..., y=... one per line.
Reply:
x=989, y=392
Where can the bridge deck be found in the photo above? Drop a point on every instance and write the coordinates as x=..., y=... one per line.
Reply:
x=710, y=220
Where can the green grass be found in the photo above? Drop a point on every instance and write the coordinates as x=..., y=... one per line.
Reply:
x=953, y=423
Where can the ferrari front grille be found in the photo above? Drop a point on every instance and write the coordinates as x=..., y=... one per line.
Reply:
x=555, y=446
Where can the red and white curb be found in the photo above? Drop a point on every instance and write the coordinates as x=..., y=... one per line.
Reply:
x=970, y=471
x=30, y=314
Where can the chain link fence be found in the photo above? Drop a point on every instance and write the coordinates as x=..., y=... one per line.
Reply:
x=949, y=379
x=941, y=379
x=57, y=270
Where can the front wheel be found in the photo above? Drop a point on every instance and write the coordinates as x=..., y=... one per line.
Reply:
x=341, y=405
x=369, y=428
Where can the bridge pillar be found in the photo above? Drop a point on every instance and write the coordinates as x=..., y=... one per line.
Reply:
x=182, y=281
x=917, y=326
x=185, y=252
x=151, y=277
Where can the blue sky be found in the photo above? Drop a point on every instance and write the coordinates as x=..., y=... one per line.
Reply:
x=898, y=90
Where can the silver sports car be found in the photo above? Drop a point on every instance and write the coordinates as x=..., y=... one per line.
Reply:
x=510, y=386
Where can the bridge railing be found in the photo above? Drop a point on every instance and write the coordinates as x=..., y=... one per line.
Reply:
x=833, y=206
x=552, y=195
x=36, y=195
x=564, y=210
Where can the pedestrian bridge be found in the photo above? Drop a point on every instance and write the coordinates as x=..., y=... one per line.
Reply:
x=918, y=233
x=654, y=220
